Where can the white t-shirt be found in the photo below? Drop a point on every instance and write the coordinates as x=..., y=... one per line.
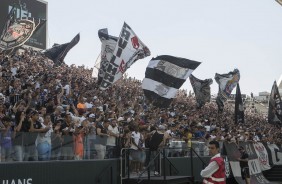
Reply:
x=14, y=71
x=67, y=88
x=44, y=137
x=111, y=141
x=136, y=137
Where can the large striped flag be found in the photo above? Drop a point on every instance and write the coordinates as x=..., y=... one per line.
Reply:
x=226, y=83
x=201, y=89
x=129, y=49
x=275, y=106
x=164, y=76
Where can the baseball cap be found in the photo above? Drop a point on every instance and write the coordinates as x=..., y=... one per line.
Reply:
x=161, y=127
x=100, y=108
x=91, y=116
x=121, y=119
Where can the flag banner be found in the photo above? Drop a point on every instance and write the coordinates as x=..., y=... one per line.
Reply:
x=275, y=106
x=107, y=48
x=262, y=156
x=269, y=154
x=128, y=50
x=239, y=107
x=276, y=154
x=228, y=171
x=226, y=83
x=59, y=51
x=164, y=76
x=233, y=154
x=201, y=89
x=279, y=1
x=16, y=31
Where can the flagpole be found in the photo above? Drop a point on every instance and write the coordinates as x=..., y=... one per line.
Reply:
x=99, y=56
x=97, y=60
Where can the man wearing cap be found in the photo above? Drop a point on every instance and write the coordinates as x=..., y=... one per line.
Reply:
x=244, y=164
x=214, y=173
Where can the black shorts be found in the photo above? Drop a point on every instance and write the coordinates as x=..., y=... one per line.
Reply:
x=245, y=173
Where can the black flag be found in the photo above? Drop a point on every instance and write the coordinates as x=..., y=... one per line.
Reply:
x=59, y=51
x=239, y=107
x=275, y=106
x=201, y=89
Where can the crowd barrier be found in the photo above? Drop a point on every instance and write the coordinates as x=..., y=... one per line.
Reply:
x=27, y=147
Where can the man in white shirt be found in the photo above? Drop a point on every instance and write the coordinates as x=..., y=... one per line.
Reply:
x=111, y=141
x=214, y=173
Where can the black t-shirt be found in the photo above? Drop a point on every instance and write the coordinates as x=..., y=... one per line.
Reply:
x=31, y=136
x=101, y=139
x=68, y=140
x=244, y=155
x=155, y=141
x=18, y=140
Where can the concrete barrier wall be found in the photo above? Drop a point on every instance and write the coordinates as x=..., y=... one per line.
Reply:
x=86, y=172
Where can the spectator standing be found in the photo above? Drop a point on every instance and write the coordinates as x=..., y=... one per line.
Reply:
x=101, y=141
x=113, y=132
x=6, y=139
x=43, y=140
x=215, y=171
x=244, y=164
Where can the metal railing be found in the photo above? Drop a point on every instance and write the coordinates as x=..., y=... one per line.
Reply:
x=161, y=154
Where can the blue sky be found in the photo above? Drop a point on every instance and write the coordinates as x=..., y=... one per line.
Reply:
x=221, y=34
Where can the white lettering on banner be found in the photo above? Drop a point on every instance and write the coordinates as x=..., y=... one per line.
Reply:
x=21, y=13
x=254, y=167
x=261, y=179
x=115, y=63
x=124, y=55
x=249, y=150
x=227, y=168
x=17, y=181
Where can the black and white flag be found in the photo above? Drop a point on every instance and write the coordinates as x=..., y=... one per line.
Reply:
x=275, y=106
x=107, y=48
x=201, y=89
x=129, y=49
x=59, y=51
x=164, y=76
x=279, y=1
x=226, y=83
x=239, y=107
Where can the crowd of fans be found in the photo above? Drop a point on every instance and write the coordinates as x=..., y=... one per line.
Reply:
x=50, y=112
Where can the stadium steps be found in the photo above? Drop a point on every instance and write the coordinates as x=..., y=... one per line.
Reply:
x=274, y=174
